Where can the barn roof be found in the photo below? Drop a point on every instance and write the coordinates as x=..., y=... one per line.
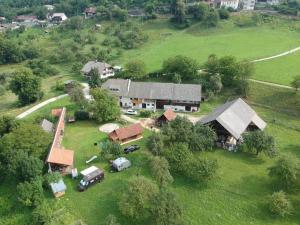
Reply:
x=235, y=117
x=126, y=132
x=154, y=90
x=169, y=114
x=61, y=156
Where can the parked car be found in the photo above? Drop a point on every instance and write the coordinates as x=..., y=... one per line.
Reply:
x=120, y=164
x=131, y=148
x=131, y=112
x=91, y=175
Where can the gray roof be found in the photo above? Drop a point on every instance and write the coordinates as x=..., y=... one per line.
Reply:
x=58, y=187
x=100, y=66
x=153, y=90
x=235, y=117
x=47, y=126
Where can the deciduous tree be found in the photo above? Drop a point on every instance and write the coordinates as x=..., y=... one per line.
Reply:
x=160, y=171
x=296, y=83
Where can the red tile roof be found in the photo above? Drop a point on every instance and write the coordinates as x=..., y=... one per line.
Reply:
x=61, y=156
x=169, y=115
x=56, y=112
x=126, y=132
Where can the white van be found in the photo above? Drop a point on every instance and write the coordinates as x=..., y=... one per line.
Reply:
x=120, y=164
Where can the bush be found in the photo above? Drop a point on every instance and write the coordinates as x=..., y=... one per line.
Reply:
x=82, y=115
x=30, y=193
x=2, y=90
x=224, y=14
x=155, y=143
x=201, y=170
x=145, y=113
x=42, y=214
x=279, y=204
x=110, y=150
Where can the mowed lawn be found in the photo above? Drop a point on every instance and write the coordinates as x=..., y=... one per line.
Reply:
x=198, y=43
x=280, y=70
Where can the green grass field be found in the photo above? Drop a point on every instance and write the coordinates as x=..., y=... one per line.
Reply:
x=281, y=70
x=198, y=43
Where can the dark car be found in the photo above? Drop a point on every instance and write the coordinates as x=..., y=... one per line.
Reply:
x=131, y=148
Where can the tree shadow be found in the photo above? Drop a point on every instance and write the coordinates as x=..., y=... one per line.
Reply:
x=245, y=157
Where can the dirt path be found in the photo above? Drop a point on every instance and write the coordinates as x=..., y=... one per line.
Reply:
x=270, y=84
x=277, y=56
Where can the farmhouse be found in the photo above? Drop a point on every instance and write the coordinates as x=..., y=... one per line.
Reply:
x=57, y=17
x=90, y=12
x=232, y=119
x=248, y=4
x=26, y=18
x=59, y=158
x=127, y=134
x=166, y=117
x=104, y=70
x=226, y=3
x=152, y=96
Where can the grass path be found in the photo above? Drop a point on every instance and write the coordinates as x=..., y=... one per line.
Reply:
x=271, y=84
x=278, y=55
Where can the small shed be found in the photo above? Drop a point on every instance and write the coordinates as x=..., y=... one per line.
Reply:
x=47, y=126
x=166, y=117
x=58, y=188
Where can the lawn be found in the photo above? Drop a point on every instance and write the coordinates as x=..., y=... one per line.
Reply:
x=280, y=70
x=198, y=43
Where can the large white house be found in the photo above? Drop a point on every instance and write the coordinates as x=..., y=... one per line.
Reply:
x=247, y=4
x=152, y=96
x=227, y=3
x=104, y=70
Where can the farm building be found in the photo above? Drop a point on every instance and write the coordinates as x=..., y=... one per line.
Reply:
x=152, y=95
x=166, y=117
x=90, y=12
x=57, y=17
x=47, y=126
x=233, y=119
x=59, y=188
x=60, y=159
x=226, y=3
x=104, y=70
x=127, y=134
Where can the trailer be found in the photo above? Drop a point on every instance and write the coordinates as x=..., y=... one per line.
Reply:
x=91, y=175
x=120, y=164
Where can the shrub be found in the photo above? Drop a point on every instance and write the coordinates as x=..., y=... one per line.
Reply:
x=145, y=113
x=201, y=170
x=42, y=214
x=279, y=204
x=110, y=150
x=155, y=143
x=81, y=115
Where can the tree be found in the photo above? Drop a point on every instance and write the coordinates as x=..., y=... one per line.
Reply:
x=258, y=141
x=212, y=18
x=228, y=68
x=245, y=72
x=160, y=171
x=7, y=124
x=203, y=138
x=110, y=150
x=201, y=170
x=155, y=143
x=212, y=65
x=223, y=14
x=105, y=106
x=75, y=23
x=26, y=86
x=94, y=78
x=52, y=177
x=179, y=11
x=30, y=193
x=165, y=209
x=286, y=171
x=186, y=67
x=279, y=204
x=296, y=83
x=77, y=96
x=215, y=83
x=42, y=214
x=136, y=200
x=178, y=156
x=30, y=167
x=199, y=11
x=135, y=69
x=25, y=141
x=178, y=130
x=111, y=220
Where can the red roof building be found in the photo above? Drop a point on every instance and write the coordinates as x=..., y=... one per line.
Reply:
x=166, y=117
x=126, y=134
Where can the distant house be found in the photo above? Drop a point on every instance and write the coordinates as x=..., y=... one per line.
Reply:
x=233, y=119
x=60, y=159
x=49, y=7
x=57, y=17
x=127, y=134
x=136, y=12
x=47, y=126
x=274, y=2
x=226, y=3
x=90, y=12
x=247, y=4
x=26, y=18
x=59, y=188
x=152, y=95
x=166, y=117
x=104, y=70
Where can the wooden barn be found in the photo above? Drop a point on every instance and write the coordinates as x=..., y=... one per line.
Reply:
x=126, y=134
x=166, y=117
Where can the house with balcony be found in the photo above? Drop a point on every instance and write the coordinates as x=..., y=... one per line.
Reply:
x=104, y=69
